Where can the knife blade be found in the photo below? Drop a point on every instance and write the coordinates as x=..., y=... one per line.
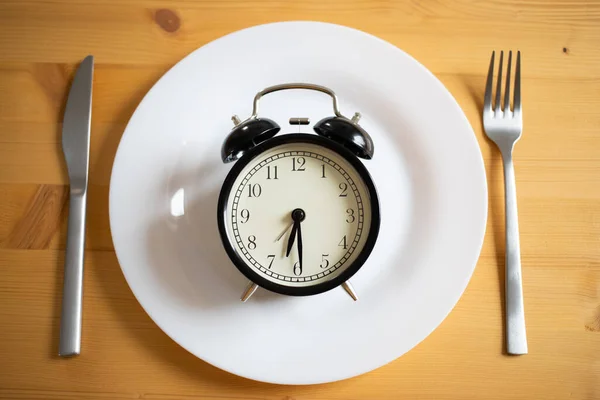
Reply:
x=76, y=149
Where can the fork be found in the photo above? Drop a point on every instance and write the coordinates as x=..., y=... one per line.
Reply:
x=504, y=128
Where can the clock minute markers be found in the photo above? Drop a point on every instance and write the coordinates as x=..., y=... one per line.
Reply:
x=264, y=261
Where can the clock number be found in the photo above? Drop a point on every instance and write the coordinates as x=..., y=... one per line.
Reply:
x=324, y=260
x=343, y=243
x=322, y=170
x=254, y=190
x=245, y=214
x=272, y=258
x=297, y=269
x=274, y=172
x=252, y=242
x=298, y=164
x=344, y=187
x=351, y=218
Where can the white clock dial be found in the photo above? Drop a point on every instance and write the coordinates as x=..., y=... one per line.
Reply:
x=334, y=198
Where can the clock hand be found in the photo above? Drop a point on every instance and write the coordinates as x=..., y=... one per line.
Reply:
x=291, y=239
x=298, y=216
x=284, y=232
x=299, y=241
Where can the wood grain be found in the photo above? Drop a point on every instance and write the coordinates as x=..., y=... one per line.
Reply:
x=36, y=228
x=136, y=41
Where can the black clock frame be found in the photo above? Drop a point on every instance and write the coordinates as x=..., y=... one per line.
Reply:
x=256, y=277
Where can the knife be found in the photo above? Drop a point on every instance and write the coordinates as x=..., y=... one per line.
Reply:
x=76, y=148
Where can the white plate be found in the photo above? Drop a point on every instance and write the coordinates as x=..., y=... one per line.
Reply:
x=167, y=175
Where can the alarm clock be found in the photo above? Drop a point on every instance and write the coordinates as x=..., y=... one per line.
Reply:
x=298, y=214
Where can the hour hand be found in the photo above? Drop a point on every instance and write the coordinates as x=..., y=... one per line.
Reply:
x=291, y=239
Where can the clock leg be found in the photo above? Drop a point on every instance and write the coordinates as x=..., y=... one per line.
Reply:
x=250, y=289
x=350, y=290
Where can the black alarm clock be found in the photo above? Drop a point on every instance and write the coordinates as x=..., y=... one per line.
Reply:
x=298, y=214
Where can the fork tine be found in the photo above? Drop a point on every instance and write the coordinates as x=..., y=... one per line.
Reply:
x=506, y=105
x=499, y=85
x=487, y=100
x=517, y=100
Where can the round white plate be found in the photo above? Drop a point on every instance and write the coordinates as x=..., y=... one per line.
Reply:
x=167, y=175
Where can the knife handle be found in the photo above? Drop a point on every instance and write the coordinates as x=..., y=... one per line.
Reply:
x=70, y=321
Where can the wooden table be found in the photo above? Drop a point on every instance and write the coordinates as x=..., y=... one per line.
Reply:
x=125, y=355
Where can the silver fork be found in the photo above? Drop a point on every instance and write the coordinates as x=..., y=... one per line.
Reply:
x=504, y=128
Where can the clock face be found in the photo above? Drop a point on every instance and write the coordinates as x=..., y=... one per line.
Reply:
x=299, y=215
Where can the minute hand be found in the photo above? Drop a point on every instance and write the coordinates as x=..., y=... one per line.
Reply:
x=300, y=244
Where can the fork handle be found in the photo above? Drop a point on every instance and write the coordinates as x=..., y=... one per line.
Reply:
x=516, y=337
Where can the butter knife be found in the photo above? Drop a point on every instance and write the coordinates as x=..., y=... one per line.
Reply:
x=76, y=148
